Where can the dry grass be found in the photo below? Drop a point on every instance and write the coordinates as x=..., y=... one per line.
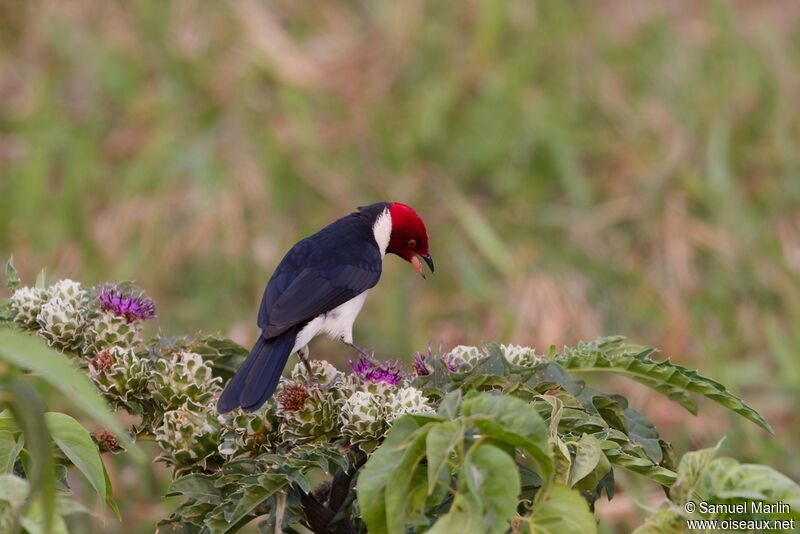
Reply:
x=614, y=167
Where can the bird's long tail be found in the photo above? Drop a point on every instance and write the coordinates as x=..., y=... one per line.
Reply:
x=257, y=378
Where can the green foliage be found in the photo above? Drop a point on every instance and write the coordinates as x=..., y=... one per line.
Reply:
x=27, y=431
x=675, y=381
x=478, y=439
x=77, y=445
x=761, y=492
x=33, y=355
x=559, y=510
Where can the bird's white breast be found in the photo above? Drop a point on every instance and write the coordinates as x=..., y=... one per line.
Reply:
x=337, y=323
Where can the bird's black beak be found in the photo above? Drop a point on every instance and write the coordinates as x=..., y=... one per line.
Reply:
x=418, y=265
x=429, y=261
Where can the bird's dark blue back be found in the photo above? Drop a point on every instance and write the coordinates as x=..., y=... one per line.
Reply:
x=322, y=272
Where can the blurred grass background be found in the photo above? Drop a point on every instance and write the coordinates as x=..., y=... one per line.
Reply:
x=584, y=168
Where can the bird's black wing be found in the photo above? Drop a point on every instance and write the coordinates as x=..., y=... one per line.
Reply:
x=320, y=273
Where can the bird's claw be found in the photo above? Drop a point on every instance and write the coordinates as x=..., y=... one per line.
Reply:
x=312, y=379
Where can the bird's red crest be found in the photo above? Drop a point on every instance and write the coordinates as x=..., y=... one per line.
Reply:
x=409, y=238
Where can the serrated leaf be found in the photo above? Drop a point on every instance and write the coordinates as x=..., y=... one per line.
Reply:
x=636, y=460
x=560, y=510
x=670, y=379
x=76, y=443
x=492, y=478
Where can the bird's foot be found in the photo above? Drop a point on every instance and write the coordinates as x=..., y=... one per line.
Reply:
x=303, y=355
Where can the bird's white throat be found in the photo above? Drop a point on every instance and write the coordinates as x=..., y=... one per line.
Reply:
x=383, y=231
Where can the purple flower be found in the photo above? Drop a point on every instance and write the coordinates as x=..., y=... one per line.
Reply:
x=131, y=306
x=369, y=369
x=420, y=361
x=419, y=365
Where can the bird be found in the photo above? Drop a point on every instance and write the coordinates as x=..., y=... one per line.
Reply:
x=319, y=287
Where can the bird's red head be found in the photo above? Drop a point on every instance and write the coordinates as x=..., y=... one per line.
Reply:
x=409, y=238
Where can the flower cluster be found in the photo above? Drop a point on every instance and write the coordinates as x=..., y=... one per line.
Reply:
x=464, y=358
x=182, y=377
x=321, y=420
x=74, y=319
x=122, y=377
x=421, y=363
x=369, y=369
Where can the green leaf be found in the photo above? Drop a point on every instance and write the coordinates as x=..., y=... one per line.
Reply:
x=494, y=364
x=12, y=278
x=377, y=473
x=251, y=497
x=34, y=354
x=464, y=517
x=590, y=464
x=561, y=510
x=513, y=421
x=10, y=446
x=493, y=479
x=440, y=442
x=562, y=460
x=28, y=409
x=643, y=432
x=670, y=379
x=665, y=521
x=77, y=444
x=726, y=480
x=448, y=408
x=611, y=410
x=633, y=458
x=109, y=497
x=690, y=469
x=398, y=492
x=17, y=492
x=196, y=486
x=41, y=279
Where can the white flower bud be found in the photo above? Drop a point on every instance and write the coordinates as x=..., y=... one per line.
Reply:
x=407, y=400
x=521, y=356
x=27, y=303
x=464, y=357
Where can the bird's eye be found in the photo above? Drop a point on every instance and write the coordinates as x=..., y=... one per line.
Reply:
x=411, y=243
